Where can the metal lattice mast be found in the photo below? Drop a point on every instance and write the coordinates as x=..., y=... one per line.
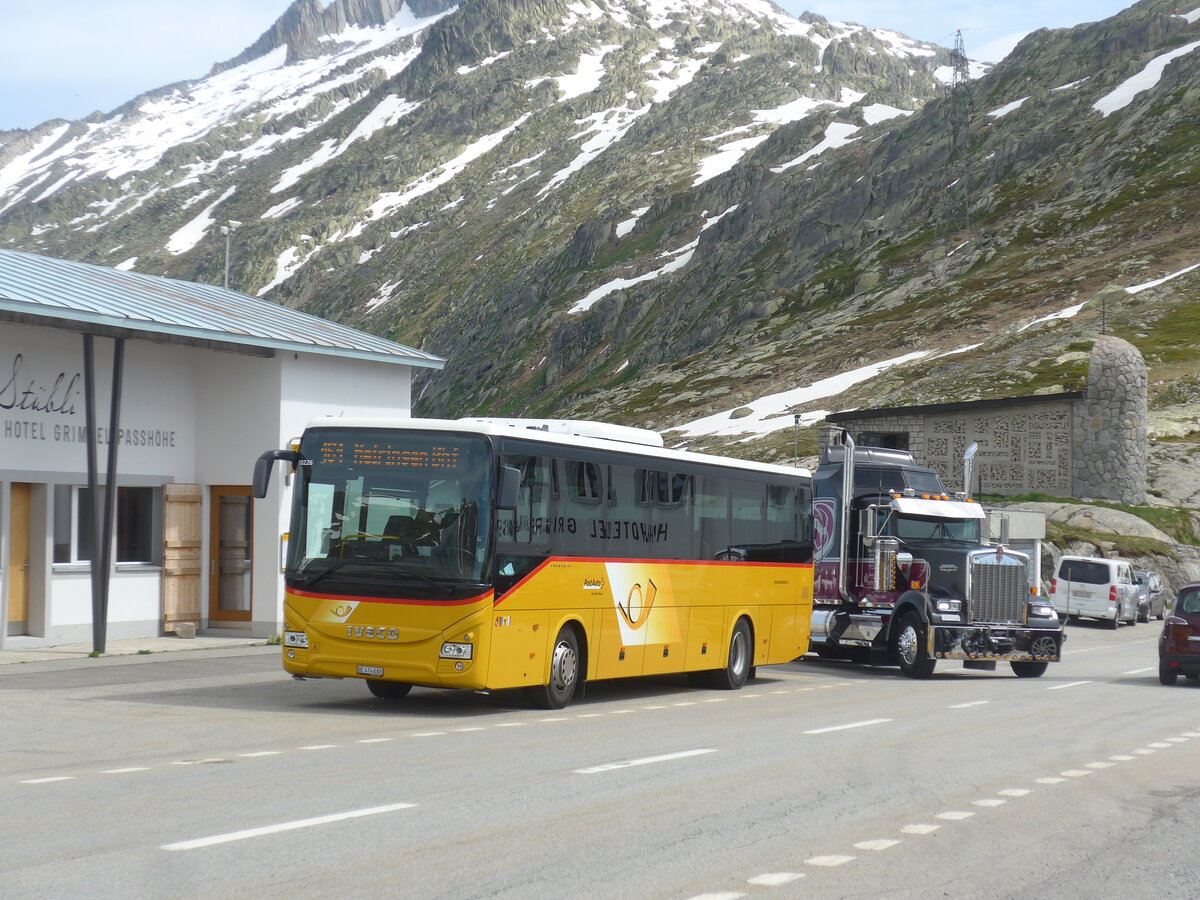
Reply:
x=959, y=206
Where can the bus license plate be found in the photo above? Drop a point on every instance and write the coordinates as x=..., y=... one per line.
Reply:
x=377, y=671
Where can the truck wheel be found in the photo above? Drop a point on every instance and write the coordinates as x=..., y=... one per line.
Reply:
x=564, y=673
x=737, y=669
x=1166, y=675
x=1116, y=621
x=1028, y=668
x=389, y=690
x=911, y=651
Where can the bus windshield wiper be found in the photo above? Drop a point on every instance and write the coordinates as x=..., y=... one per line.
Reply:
x=310, y=580
x=409, y=573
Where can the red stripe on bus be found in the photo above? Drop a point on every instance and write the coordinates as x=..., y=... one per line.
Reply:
x=401, y=601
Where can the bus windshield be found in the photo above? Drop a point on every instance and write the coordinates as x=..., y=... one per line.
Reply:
x=925, y=529
x=389, y=513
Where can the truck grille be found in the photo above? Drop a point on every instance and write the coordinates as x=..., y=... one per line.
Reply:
x=998, y=589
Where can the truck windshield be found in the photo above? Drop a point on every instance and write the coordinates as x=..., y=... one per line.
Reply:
x=924, y=528
x=389, y=512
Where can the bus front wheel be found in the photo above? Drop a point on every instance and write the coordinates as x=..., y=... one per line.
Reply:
x=389, y=690
x=564, y=673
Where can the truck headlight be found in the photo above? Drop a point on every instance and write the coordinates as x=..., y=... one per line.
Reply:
x=949, y=606
x=1043, y=611
x=452, y=650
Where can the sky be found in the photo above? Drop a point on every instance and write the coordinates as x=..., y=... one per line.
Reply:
x=68, y=58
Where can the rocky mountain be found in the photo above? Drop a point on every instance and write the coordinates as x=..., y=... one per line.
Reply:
x=701, y=215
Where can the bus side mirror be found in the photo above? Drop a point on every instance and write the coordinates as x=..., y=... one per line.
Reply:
x=263, y=466
x=510, y=487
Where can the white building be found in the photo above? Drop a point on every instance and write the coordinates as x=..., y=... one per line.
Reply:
x=208, y=379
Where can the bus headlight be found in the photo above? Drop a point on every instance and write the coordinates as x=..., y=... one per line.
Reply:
x=455, y=651
x=295, y=639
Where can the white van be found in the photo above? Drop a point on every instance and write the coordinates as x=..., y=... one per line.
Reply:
x=1095, y=588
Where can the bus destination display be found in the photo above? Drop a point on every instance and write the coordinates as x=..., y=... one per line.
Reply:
x=385, y=454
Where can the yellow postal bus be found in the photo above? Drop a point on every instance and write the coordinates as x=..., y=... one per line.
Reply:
x=498, y=554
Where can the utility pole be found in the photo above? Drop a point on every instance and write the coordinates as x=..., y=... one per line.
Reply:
x=228, y=229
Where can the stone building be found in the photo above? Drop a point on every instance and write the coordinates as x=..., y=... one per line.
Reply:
x=1088, y=444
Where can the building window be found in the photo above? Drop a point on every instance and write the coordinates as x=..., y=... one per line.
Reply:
x=891, y=440
x=137, y=523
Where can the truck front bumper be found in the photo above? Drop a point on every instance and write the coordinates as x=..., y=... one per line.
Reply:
x=999, y=642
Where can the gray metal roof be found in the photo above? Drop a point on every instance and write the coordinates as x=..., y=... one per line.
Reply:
x=63, y=294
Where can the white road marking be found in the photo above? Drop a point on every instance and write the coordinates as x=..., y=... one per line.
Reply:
x=1177, y=740
x=989, y=801
x=1062, y=687
x=862, y=724
x=469, y=728
x=1159, y=745
x=716, y=699
x=653, y=707
x=1050, y=780
x=553, y=719
x=1121, y=758
x=595, y=715
x=693, y=702
x=1143, y=751
x=1076, y=773
x=968, y=705
x=1191, y=734
x=831, y=860
x=880, y=844
x=954, y=815
x=284, y=826
x=1100, y=765
x=621, y=712
x=319, y=747
x=1014, y=792
x=1139, y=671
x=727, y=895
x=519, y=724
x=49, y=779
x=666, y=757
x=429, y=734
x=920, y=829
x=375, y=740
x=126, y=769
x=775, y=879
x=261, y=753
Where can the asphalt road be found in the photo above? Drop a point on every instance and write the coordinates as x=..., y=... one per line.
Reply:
x=216, y=775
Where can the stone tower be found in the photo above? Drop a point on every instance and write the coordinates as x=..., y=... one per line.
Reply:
x=1109, y=453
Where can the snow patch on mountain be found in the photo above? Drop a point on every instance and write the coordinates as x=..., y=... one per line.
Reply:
x=194, y=231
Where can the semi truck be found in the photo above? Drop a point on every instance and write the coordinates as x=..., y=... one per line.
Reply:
x=902, y=576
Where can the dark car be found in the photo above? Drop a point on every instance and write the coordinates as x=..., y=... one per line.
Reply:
x=1151, y=600
x=1179, y=645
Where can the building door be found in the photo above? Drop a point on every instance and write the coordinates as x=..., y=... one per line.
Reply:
x=18, y=558
x=229, y=554
x=182, y=532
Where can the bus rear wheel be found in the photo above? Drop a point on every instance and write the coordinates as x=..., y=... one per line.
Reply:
x=737, y=668
x=389, y=690
x=564, y=673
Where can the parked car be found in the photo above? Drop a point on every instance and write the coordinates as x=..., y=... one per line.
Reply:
x=1151, y=599
x=1095, y=588
x=1179, y=645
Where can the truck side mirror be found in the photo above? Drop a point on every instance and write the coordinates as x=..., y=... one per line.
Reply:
x=263, y=466
x=510, y=487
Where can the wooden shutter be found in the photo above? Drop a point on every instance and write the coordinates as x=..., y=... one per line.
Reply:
x=182, y=505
